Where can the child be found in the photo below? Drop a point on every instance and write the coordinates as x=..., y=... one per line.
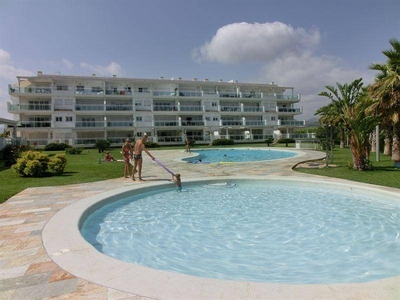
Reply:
x=177, y=179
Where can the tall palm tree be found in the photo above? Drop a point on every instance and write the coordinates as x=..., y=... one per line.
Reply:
x=348, y=108
x=386, y=91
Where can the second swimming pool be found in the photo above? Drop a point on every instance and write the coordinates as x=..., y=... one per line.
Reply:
x=237, y=155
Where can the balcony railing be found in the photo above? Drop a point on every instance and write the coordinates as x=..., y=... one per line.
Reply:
x=166, y=123
x=231, y=108
x=126, y=107
x=169, y=139
x=290, y=109
x=251, y=95
x=89, y=124
x=89, y=107
x=230, y=122
x=229, y=95
x=35, y=124
x=252, y=109
x=119, y=123
x=190, y=93
x=191, y=108
x=193, y=123
x=30, y=90
x=254, y=123
x=41, y=107
x=165, y=108
x=118, y=92
x=290, y=123
x=288, y=97
x=164, y=93
x=89, y=92
x=87, y=141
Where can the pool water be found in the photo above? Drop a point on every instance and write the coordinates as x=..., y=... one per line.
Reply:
x=237, y=155
x=262, y=231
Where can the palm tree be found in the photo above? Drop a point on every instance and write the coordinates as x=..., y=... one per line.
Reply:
x=386, y=91
x=348, y=108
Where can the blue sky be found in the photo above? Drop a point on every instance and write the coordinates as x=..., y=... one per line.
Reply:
x=305, y=44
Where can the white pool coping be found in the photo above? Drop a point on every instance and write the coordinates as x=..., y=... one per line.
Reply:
x=67, y=247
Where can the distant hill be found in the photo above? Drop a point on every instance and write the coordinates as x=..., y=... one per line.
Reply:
x=313, y=122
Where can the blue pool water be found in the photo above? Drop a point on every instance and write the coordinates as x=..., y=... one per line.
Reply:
x=263, y=231
x=237, y=155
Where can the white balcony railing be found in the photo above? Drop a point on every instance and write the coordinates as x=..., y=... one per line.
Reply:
x=92, y=124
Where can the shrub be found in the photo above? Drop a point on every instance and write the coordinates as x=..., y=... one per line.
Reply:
x=223, y=142
x=269, y=141
x=152, y=145
x=32, y=163
x=11, y=153
x=286, y=141
x=58, y=164
x=56, y=146
x=102, y=145
x=73, y=150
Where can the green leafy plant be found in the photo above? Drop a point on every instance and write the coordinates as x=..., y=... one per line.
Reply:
x=74, y=150
x=286, y=141
x=11, y=153
x=56, y=146
x=102, y=145
x=223, y=142
x=152, y=145
x=58, y=164
x=269, y=141
x=32, y=164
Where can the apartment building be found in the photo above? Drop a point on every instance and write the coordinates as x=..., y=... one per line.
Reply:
x=83, y=109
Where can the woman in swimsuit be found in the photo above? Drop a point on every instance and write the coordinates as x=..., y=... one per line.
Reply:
x=127, y=155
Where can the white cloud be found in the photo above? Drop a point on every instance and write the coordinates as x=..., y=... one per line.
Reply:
x=244, y=42
x=286, y=56
x=67, y=63
x=112, y=69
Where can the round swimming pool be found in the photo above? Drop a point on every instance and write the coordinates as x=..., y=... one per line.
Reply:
x=237, y=155
x=263, y=231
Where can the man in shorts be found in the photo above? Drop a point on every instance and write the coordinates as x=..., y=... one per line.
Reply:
x=137, y=156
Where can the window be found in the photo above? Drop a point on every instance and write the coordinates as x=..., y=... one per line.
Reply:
x=139, y=119
x=80, y=88
x=97, y=89
x=138, y=103
x=143, y=90
x=208, y=119
x=273, y=118
x=62, y=87
x=214, y=104
x=58, y=119
x=215, y=118
x=68, y=119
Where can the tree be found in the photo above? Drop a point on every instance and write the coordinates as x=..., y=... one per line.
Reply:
x=386, y=92
x=348, y=110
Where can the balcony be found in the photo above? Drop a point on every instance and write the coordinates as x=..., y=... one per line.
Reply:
x=165, y=108
x=29, y=90
x=255, y=123
x=297, y=110
x=231, y=123
x=251, y=95
x=193, y=123
x=35, y=124
x=30, y=107
x=252, y=109
x=122, y=107
x=191, y=108
x=118, y=92
x=166, y=123
x=92, y=92
x=231, y=108
x=91, y=124
x=291, y=123
x=120, y=124
x=183, y=93
x=228, y=95
x=164, y=93
x=89, y=107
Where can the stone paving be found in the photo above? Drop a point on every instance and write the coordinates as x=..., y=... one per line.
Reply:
x=26, y=270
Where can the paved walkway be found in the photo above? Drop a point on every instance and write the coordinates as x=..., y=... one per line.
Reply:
x=27, y=272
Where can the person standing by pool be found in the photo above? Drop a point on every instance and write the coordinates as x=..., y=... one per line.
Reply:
x=187, y=145
x=137, y=156
x=127, y=155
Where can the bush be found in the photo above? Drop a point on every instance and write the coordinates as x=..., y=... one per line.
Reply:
x=286, y=141
x=222, y=142
x=32, y=164
x=11, y=153
x=102, y=145
x=56, y=147
x=73, y=150
x=269, y=141
x=35, y=164
x=58, y=164
x=152, y=145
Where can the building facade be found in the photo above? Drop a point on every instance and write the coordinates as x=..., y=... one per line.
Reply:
x=80, y=110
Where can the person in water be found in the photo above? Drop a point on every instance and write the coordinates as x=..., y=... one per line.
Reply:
x=177, y=179
x=137, y=157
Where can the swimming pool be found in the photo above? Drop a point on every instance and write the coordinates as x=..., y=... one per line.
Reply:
x=237, y=155
x=296, y=232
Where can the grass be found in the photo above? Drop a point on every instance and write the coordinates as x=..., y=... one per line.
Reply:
x=85, y=168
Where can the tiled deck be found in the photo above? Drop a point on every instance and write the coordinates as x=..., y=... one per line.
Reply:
x=27, y=271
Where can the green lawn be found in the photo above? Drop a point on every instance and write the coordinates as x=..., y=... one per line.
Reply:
x=85, y=168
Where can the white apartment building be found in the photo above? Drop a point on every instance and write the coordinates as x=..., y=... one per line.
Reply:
x=83, y=109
